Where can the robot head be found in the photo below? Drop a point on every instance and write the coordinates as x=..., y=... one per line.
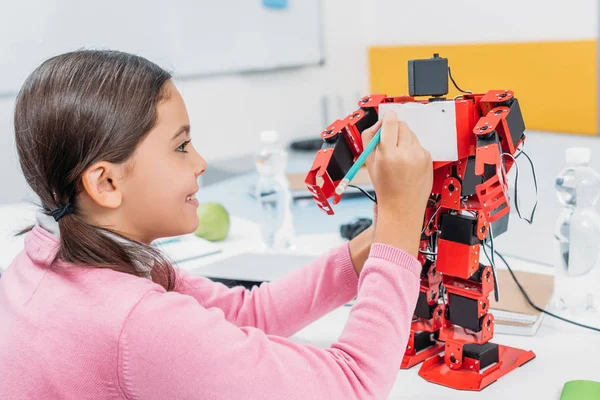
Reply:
x=428, y=77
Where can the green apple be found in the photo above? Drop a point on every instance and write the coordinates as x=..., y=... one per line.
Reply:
x=213, y=221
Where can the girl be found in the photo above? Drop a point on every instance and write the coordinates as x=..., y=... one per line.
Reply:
x=90, y=309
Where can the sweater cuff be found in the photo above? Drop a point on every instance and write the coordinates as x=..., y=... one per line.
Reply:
x=347, y=271
x=396, y=256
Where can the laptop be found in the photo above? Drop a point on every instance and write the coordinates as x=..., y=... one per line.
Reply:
x=252, y=269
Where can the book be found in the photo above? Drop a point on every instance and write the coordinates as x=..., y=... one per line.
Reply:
x=184, y=248
x=512, y=313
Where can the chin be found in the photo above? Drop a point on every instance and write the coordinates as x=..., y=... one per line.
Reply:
x=178, y=230
x=192, y=227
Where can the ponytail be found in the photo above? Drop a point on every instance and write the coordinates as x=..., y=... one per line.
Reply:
x=84, y=244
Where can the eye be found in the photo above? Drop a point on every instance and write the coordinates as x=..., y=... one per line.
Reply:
x=183, y=145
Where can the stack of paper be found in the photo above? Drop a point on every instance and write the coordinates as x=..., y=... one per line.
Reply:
x=184, y=248
x=513, y=314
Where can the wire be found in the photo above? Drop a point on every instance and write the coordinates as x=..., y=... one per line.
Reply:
x=520, y=149
x=455, y=85
x=530, y=219
x=493, y=263
x=431, y=219
x=373, y=199
x=535, y=306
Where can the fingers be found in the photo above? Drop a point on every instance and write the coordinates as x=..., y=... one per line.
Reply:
x=406, y=137
x=367, y=136
x=368, y=133
x=389, y=130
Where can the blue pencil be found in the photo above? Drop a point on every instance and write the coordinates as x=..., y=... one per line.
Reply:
x=358, y=164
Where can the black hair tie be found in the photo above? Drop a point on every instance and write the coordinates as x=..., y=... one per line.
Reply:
x=60, y=212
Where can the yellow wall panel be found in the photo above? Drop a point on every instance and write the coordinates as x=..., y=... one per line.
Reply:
x=555, y=82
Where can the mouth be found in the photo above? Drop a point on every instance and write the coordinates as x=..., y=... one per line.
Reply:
x=191, y=199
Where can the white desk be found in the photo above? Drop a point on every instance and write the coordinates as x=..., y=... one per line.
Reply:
x=564, y=352
x=557, y=345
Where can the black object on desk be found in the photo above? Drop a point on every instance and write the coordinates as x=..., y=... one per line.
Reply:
x=351, y=230
x=307, y=144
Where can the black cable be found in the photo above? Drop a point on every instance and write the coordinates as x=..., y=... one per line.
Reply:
x=514, y=158
x=455, y=85
x=530, y=220
x=373, y=198
x=493, y=262
x=431, y=219
x=531, y=302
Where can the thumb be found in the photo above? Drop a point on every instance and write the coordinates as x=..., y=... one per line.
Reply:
x=368, y=133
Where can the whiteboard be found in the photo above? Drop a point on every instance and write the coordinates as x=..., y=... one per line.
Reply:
x=188, y=37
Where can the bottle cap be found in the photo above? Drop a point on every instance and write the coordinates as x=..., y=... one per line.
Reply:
x=578, y=155
x=269, y=137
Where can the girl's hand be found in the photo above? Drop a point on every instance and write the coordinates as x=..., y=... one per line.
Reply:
x=402, y=174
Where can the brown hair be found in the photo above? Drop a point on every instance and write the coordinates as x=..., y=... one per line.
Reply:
x=77, y=109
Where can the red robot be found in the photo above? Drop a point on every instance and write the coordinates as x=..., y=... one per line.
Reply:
x=469, y=205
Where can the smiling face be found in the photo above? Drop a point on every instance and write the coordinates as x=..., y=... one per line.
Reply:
x=152, y=194
x=160, y=186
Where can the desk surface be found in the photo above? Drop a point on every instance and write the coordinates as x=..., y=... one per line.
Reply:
x=564, y=352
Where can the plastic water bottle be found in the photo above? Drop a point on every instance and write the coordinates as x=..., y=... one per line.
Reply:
x=577, y=235
x=274, y=194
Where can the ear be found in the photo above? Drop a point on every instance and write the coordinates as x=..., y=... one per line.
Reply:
x=100, y=181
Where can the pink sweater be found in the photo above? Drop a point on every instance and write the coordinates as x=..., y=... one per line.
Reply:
x=97, y=333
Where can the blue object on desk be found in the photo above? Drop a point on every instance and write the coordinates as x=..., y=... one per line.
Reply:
x=175, y=239
x=275, y=3
x=308, y=217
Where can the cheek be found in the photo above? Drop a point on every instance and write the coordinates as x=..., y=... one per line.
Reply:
x=160, y=193
x=154, y=187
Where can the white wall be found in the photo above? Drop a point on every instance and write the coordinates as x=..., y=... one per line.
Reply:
x=393, y=22
x=13, y=186
x=547, y=151
x=474, y=21
x=228, y=112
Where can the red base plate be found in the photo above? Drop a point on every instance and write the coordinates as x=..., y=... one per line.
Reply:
x=435, y=370
x=410, y=361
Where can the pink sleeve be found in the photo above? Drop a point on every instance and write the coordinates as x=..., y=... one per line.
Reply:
x=172, y=347
x=284, y=306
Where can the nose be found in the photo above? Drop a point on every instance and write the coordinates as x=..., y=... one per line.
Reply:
x=199, y=165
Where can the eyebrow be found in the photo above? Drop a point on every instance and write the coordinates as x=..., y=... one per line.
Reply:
x=181, y=131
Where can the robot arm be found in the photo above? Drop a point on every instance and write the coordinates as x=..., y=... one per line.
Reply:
x=342, y=145
x=499, y=131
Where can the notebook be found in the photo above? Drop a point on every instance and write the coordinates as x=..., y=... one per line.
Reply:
x=513, y=314
x=185, y=248
x=253, y=268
